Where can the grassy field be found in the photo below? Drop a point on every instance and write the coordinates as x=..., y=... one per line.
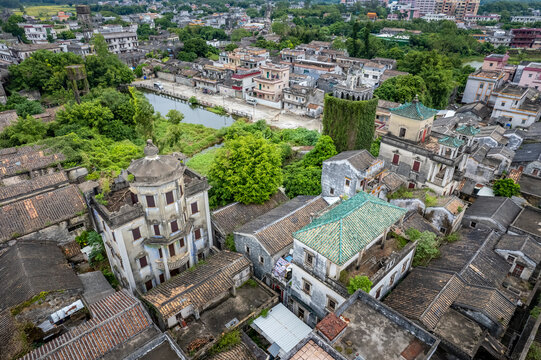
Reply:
x=202, y=161
x=193, y=138
x=45, y=11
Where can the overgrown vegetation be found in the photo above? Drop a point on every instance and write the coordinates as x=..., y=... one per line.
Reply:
x=506, y=187
x=349, y=123
x=230, y=243
x=427, y=246
x=226, y=342
x=39, y=298
x=359, y=282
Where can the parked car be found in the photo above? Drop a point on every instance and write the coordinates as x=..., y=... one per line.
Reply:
x=158, y=85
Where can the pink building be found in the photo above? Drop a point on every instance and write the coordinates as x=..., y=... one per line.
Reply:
x=495, y=62
x=531, y=76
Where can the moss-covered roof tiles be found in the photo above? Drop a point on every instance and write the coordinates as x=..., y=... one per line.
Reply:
x=346, y=229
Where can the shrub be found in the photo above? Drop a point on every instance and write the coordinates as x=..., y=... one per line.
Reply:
x=413, y=234
x=230, y=243
x=359, y=282
x=506, y=187
x=427, y=248
x=226, y=342
x=451, y=238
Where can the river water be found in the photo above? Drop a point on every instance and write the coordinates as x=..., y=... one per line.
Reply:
x=192, y=114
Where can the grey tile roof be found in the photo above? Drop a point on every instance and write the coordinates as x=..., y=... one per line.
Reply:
x=528, y=153
x=529, y=184
x=30, y=267
x=524, y=244
x=359, y=159
x=237, y=352
x=233, y=216
x=501, y=209
x=274, y=229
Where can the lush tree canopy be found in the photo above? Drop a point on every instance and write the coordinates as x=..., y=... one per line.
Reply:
x=359, y=282
x=402, y=88
x=246, y=169
x=506, y=187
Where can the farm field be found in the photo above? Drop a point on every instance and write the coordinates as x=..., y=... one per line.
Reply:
x=45, y=11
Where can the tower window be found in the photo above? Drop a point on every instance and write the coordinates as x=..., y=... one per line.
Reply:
x=150, y=201
x=169, y=198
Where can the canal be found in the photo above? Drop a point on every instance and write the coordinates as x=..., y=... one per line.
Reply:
x=192, y=114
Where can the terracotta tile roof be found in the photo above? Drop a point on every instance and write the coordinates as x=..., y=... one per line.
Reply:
x=344, y=230
x=115, y=320
x=16, y=160
x=311, y=351
x=232, y=216
x=197, y=287
x=237, y=352
x=331, y=326
x=29, y=186
x=30, y=267
x=35, y=213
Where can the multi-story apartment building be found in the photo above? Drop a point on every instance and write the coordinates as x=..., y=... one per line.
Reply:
x=121, y=42
x=438, y=17
x=491, y=75
x=270, y=84
x=457, y=8
x=425, y=6
x=531, y=76
x=526, y=19
x=517, y=106
x=156, y=225
x=38, y=33
x=471, y=18
x=526, y=38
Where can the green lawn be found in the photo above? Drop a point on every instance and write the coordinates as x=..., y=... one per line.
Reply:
x=203, y=161
x=45, y=11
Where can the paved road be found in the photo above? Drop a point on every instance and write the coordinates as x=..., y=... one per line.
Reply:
x=274, y=117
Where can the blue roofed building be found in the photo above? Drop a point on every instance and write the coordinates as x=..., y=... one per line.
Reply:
x=347, y=240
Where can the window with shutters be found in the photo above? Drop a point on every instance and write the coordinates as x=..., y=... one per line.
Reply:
x=150, y=201
x=174, y=226
x=172, y=250
x=331, y=303
x=156, y=230
x=195, y=209
x=197, y=234
x=402, y=132
x=143, y=262
x=416, y=166
x=136, y=233
x=181, y=241
x=396, y=159
x=306, y=287
x=169, y=198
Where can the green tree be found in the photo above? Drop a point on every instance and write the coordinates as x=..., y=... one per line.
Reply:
x=231, y=47
x=402, y=88
x=28, y=108
x=302, y=180
x=427, y=248
x=246, y=169
x=349, y=123
x=175, y=116
x=12, y=26
x=323, y=150
x=143, y=116
x=506, y=187
x=66, y=35
x=239, y=34
x=25, y=131
x=90, y=114
x=359, y=282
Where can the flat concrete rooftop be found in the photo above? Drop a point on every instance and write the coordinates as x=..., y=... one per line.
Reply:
x=374, y=336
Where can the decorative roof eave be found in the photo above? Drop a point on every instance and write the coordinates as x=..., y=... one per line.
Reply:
x=414, y=110
x=451, y=141
x=468, y=130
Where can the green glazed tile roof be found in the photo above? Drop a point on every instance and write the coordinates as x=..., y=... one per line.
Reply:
x=414, y=110
x=346, y=229
x=451, y=141
x=468, y=130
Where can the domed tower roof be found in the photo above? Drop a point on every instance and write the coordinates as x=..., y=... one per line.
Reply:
x=155, y=169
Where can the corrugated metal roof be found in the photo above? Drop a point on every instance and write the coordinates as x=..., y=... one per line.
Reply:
x=282, y=327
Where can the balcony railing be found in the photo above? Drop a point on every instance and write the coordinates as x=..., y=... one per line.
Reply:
x=173, y=262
